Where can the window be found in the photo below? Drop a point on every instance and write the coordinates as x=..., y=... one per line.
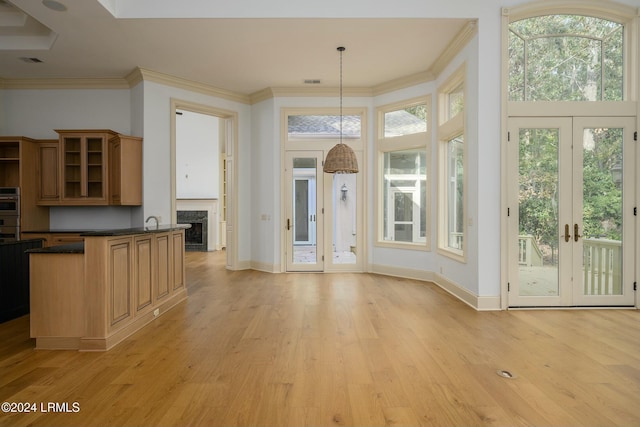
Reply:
x=452, y=165
x=566, y=58
x=405, y=196
x=316, y=126
x=402, y=191
x=455, y=193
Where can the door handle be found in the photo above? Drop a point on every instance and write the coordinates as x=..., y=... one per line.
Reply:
x=288, y=224
x=576, y=236
x=567, y=236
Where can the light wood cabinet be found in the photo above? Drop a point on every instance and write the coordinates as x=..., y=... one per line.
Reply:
x=91, y=167
x=164, y=256
x=178, y=261
x=84, y=166
x=96, y=297
x=55, y=239
x=144, y=264
x=18, y=161
x=119, y=281
x=48, y=165
x=125, y=171
x=10, y=162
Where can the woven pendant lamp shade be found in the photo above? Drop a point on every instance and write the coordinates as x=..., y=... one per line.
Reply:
x=341, y=158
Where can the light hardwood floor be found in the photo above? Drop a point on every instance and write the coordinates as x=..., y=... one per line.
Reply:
x=250, y=348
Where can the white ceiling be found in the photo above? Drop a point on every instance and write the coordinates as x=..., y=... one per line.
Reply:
x=243, y=55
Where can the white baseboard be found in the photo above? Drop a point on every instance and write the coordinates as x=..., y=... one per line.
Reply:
x=479, y=303
x=266, y=267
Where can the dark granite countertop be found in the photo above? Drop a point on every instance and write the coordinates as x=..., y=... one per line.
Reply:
x=115, y=232
x=61, y=231
x=78, y=248
x=137, y=230
x=70, y=248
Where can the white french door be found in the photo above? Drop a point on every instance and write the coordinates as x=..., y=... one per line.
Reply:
x=571, y=221
x=322, y=219
x=303, y=205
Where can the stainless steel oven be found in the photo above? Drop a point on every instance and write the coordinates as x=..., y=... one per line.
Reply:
x=9, y=228
x=10, y=201
x=9, y=214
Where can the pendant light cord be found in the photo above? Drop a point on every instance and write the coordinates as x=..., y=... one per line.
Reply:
x=341, y=49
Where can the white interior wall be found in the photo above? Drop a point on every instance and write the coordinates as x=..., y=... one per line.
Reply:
x=197, y=156
x=265, y=183
x=37, y=113
x=466, y=274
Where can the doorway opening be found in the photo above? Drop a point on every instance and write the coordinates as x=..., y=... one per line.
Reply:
x=203, y=176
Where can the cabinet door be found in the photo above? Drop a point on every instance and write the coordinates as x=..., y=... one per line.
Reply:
x=143, y=268
x=115, y=171
x=119, y=282
x=178, y=260
x=84, y=168
x=164, y=265
x=125, y=171
x=48, y=178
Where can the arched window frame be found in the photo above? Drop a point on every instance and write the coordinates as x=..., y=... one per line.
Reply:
x=625, y=15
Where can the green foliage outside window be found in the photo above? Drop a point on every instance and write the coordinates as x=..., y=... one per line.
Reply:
x=565, y=58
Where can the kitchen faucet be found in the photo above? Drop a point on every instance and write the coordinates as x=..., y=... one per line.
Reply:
x=155, y=218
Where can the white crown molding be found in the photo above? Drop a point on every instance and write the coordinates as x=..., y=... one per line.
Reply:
x=403, y=82
x=459, y=42
x=168, y=80
x=64, y=84
x=283, y=92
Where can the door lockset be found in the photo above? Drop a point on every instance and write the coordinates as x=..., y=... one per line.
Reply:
x=576, y=235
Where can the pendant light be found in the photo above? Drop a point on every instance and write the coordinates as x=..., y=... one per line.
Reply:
x=341, y=158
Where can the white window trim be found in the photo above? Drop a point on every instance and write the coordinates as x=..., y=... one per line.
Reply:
x=448, y=129
x=399, y=143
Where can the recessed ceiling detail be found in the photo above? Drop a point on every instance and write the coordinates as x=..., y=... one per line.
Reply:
x=19, y=31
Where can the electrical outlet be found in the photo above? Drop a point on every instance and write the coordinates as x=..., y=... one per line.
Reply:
x=159, y=219
x=156, y=312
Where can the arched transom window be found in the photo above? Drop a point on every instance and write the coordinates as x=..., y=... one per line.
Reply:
x=566, y=58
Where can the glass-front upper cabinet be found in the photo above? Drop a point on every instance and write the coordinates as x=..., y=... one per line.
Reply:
x=84, y=173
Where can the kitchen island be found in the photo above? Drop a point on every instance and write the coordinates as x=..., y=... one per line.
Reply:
x=91, y=295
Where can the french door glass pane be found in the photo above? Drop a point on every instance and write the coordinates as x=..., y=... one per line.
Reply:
x=304, y=210
x=538, y=239
x=301, y=211
x=602, y=211
x=344, y=218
